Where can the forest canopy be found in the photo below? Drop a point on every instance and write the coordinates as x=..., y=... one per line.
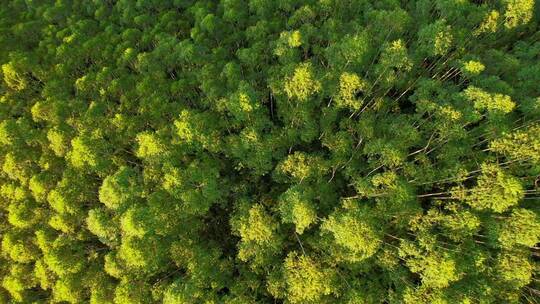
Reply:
x=270, y=151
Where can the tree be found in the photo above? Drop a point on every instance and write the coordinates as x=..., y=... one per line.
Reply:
x=302, y=280
x=353, y=236
x=89, y=152
x=131, y=291
x=437, y=270
x=518, y=12
x=19, y=282
x=199, y=130
x=198, y=185
x=100, y=223
x=17, y=246
x=349, y=86
x=522, y=144
x=301, y=84
x=69, y=289
x=435, y=39
x=150, y=147
x=297, y=207
x=120, y=189
x=65, y=256
x=494, y=190
x=520, y=229
x=300, y=166
x=258, y=231
x=134, y=252
x=485, y=101
x=25, y=214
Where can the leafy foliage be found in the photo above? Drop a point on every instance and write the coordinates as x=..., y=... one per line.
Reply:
x=259, y=151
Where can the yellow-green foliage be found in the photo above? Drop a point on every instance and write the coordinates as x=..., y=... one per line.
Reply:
x=13, y=78
x=514, y=269
x=302, y=83
x=258, y=227
x=521, y=229
x=436, y=38
x=304, y=280
x=349, y=85
x=354, y=233
x=518, y=12
x=491, y=102
x=100, y=224
x=473, y=68
x=495, y=190
x=263, y=151
x=522, y=144
x=149, y=146
x=119, y=189
x=296, y=207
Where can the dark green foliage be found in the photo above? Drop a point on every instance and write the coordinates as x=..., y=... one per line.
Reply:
x=269, y=151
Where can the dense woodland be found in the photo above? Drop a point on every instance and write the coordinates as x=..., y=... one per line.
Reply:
x=270, y=151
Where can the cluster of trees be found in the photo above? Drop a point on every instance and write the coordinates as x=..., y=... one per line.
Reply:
x=269, y=151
